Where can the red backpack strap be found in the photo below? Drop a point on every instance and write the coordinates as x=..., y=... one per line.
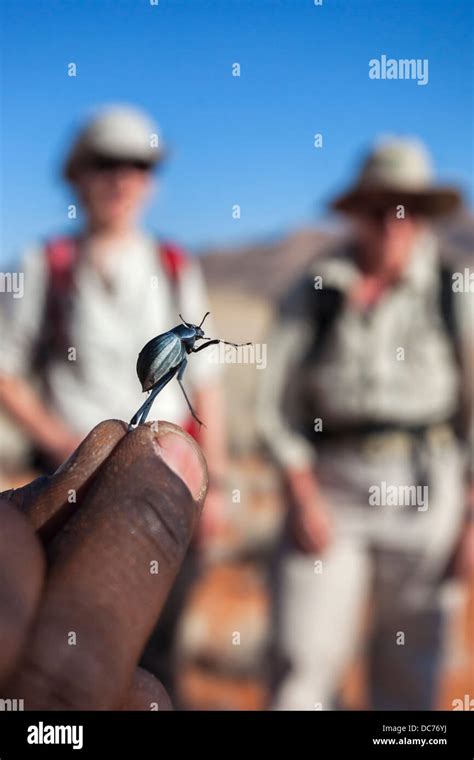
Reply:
x=173, y=260
x=60, y=257
x=60, y=260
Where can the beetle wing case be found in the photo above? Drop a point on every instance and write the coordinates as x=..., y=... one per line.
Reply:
x=157, y=357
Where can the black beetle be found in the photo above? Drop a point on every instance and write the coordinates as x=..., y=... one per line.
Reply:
x=164, y=357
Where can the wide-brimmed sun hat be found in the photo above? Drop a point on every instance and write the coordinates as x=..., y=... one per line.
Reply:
x=116, y=133
x=398, y=172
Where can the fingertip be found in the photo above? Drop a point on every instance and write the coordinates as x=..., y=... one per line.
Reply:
x=97, y=445
x=50, y=501
x=180, y=452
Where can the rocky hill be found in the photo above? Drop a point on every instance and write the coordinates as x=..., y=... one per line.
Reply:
x=265, y=269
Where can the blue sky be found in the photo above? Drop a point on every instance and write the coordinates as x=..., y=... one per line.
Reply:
x=247, y=140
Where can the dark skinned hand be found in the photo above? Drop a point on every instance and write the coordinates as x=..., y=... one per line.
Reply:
x=87, y=558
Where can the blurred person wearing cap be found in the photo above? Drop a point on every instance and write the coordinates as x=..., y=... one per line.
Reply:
x=91, y=302
x=367, y=408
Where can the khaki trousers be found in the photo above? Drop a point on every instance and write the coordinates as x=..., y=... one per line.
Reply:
x=392, y=556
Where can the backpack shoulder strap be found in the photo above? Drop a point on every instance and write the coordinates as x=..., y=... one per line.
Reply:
x=328, y=304
x=452, y=328
x=60, y=255
x=173, y=260
x=326, y=308
x=60, y=259
x=447, y=308
x=320, y=308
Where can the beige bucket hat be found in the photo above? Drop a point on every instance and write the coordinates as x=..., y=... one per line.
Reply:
x=398, y=172
x=117, y=132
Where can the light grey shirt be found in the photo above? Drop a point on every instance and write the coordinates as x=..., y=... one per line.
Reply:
x=394, y=364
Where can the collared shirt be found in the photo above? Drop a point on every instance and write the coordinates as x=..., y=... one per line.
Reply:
x=392, y=363
x=114, y=314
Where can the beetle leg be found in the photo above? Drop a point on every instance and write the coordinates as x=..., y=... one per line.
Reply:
x=140, y=416
x=142, y=413
x=147, y=406
x=205, y=345
x=179, y=378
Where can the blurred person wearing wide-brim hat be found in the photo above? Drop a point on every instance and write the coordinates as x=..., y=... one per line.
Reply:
x=361, y=408
x=398, y=173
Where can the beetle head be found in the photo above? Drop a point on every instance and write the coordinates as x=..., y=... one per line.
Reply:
x=197, y=328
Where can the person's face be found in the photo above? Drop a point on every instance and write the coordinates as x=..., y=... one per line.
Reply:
x=385, y=241
x=114, y=192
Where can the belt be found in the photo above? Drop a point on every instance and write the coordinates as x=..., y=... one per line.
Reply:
x=375, y=436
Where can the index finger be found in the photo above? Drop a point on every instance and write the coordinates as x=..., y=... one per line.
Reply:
x=113, y=565
x=49, y=501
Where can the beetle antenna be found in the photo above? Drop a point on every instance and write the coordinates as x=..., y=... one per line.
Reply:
x=183, y=320
x=204, y=317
